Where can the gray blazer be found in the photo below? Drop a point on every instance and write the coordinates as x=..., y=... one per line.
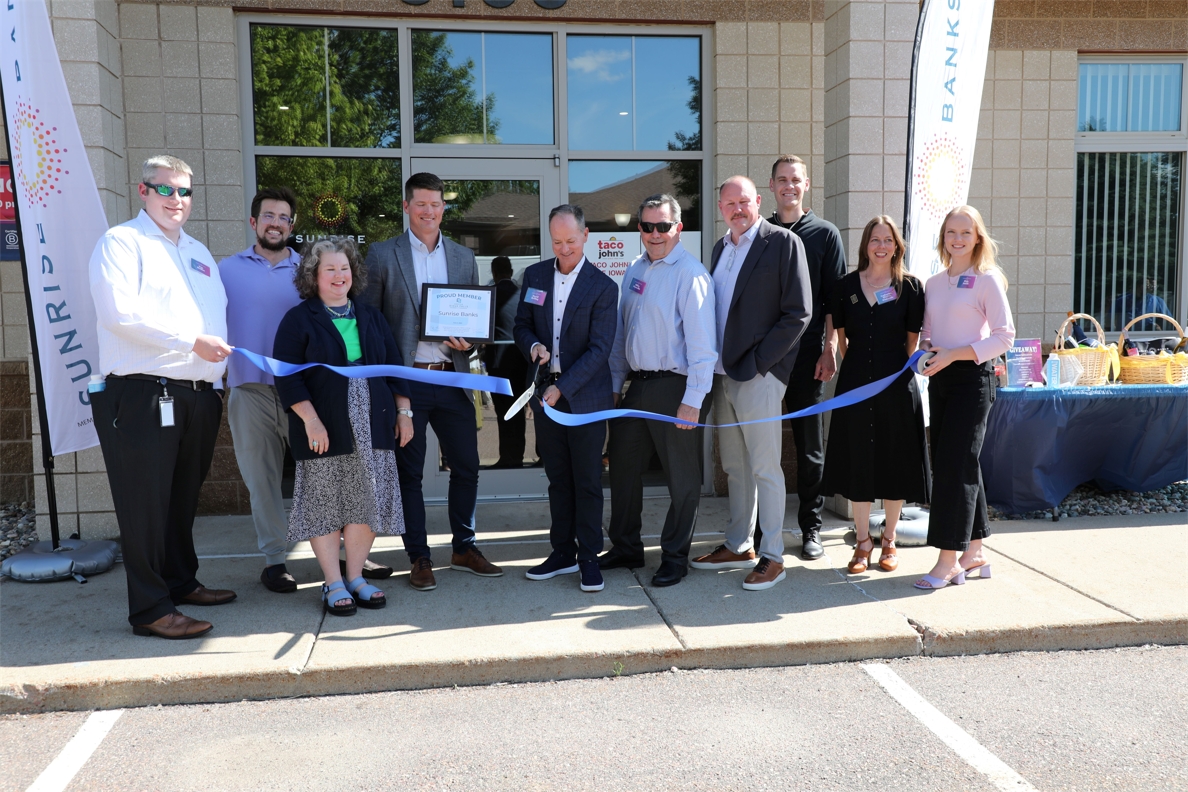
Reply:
x=392, y=288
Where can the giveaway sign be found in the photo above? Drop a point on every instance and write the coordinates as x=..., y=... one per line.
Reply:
x=10, y=240
x=61, y=219
x=948, y=69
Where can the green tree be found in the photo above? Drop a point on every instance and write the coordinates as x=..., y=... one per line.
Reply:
x=686, y=174
x=445, y=104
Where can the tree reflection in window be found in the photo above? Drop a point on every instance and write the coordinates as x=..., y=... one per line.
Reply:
x=294, y=69
x=493, y=217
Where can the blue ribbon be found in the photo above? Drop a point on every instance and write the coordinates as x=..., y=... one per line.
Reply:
x=859, y=394
x=448, y=379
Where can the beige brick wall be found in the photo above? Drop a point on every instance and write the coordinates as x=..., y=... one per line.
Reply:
x=1024, y=178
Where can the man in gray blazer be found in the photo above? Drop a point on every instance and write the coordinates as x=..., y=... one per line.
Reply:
x=396, y=270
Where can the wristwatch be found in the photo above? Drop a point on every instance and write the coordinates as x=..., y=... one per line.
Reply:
x=404, y=411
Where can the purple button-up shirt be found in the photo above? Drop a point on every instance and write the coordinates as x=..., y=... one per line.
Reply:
x=258, y=296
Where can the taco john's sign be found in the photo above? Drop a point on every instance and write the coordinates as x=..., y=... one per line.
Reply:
x=546, y=4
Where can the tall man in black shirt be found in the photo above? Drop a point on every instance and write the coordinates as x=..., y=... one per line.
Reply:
x=816, y=363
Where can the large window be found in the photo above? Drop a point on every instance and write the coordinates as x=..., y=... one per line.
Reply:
x=1129, y=226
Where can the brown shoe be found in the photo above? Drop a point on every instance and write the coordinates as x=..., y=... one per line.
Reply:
x=888, y=558
x=472, y=561
x=722, y=558
x=174, y=626
x=204, y=596
x=766, y=575
x=422, y=575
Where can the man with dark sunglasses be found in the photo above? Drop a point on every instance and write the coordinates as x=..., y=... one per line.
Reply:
x=161, y=312
x=665, y=349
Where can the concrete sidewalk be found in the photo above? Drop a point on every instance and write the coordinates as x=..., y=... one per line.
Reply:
x=1081, y=583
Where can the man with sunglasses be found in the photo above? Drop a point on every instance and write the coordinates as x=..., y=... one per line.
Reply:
x=665, y=348
x=161, y=312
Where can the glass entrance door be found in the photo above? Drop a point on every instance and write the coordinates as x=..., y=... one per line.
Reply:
x=496, y=208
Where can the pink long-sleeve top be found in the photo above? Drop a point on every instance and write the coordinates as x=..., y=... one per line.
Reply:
x=968, y=310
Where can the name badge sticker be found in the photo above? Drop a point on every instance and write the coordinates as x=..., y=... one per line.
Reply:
x=966, y=281
x=536, y=296
x=885, y=295
x=853, y=299
x=638, y=286
x=198, y=266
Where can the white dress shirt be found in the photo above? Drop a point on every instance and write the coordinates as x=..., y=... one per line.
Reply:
x=429, y=267
x=726, y=276
x=153, y=299
x=562, y=286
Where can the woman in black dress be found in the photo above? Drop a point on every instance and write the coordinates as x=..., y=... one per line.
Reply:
x=877, y=448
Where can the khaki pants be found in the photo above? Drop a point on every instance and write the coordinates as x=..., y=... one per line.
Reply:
x=260, y=432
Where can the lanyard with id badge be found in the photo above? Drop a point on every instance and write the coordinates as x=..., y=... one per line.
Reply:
x=166, y=405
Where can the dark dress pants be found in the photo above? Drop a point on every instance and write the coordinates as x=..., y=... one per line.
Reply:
x=450, y=412
x=959, y=399
x=155, y=474
x=632, y=443
x=511, y=433
x=572, y=457
x=804, y=390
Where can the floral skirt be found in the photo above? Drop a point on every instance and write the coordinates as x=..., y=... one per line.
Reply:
x=359, y=487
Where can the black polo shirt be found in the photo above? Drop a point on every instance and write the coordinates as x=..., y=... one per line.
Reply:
x=826, y=265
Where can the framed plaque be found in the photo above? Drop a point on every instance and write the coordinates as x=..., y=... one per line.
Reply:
x=448, y=309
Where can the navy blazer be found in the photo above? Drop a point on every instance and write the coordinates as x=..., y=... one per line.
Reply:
x=307, y=335
x=587, y=332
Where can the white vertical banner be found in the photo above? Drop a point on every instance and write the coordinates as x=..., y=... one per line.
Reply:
x=61, y=218
x=948, y=70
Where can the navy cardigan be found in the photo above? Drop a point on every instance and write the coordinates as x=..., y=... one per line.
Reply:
x=307, y=335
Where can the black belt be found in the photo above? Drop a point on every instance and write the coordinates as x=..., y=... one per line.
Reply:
x=196, y=385
x=646, y=375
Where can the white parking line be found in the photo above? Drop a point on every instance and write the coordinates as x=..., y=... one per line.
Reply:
x=66, y=765
x=952, y=735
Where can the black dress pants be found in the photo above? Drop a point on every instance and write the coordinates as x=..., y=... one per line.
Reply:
x=632, y=443
x=959, y=399
x=511, y=433
x=155, y=474
x=805, y=390
x=572, y=457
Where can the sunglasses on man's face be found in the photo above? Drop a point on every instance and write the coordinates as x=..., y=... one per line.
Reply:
x=663, y=228
x=166, y=190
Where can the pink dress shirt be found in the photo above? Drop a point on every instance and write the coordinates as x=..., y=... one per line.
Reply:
x=977, y=315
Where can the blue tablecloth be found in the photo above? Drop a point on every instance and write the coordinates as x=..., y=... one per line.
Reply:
x=1043, y=442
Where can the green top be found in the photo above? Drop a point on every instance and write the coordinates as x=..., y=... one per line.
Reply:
x=349, y=330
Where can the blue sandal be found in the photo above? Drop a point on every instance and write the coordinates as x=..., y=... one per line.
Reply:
x=364, y=594
x=329, y=598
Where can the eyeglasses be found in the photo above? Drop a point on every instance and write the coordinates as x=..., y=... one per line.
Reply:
x=663, y=228
x=269, y=217
x=166, y=190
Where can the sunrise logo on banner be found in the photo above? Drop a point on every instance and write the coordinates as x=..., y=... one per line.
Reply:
x=61, y=219
x=948, y=69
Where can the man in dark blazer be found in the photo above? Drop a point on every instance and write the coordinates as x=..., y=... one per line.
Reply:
x=396, y=270
x=764, y=299
x=566, y=323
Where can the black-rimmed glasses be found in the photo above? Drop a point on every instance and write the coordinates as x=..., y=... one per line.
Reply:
x=663, y=228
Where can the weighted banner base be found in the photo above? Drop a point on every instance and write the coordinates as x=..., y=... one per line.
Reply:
x=74, y=558
x=912, y=530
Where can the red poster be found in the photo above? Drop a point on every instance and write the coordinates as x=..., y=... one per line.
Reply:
x=7, y=209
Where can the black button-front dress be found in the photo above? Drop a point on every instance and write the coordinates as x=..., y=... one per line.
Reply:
x=878, y=448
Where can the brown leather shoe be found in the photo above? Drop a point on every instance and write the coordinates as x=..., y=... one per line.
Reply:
x=722, y=558
x=472, y=561
x=174, y=626
x=204, y=596
x=764, y=576
x=422, y=575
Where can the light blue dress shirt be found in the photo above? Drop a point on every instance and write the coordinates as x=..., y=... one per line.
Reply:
x=726, y=276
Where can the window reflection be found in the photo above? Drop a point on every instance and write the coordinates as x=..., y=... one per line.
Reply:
x=610, y=191
x=482, y=87
x=1130, y=97
x=295, y=68
x=355, y=197
x=634, y=92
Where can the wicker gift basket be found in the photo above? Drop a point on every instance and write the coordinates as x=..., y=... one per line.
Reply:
x=1098, y=361
x=1161, y=369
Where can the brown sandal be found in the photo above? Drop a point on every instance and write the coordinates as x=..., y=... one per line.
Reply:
x=861, y=560
x=888, y=559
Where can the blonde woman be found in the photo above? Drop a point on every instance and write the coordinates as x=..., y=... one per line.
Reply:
x=877, y=448
x=967, y=323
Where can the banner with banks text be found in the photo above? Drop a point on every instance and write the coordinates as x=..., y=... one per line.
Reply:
x=948, y=69
x=61, y=218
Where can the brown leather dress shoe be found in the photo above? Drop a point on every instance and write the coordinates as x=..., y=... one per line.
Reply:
x=764, y=576
x=174, y=626
x=722, y=558
x=204, y=596
x=472, y=561
x=422, y=575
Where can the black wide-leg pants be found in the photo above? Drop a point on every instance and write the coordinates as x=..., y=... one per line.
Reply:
x=959, y=399
x=155, y=474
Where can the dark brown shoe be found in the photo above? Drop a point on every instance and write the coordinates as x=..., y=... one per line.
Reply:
x=422, y=575
x=722, y=558
x=472, y=561
x=174, y=626
x=204, y=596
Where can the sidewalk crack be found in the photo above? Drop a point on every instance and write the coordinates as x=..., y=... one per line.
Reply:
x=1068, y=586
x=671, y=627
x=299, y=670
x=926, y=636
